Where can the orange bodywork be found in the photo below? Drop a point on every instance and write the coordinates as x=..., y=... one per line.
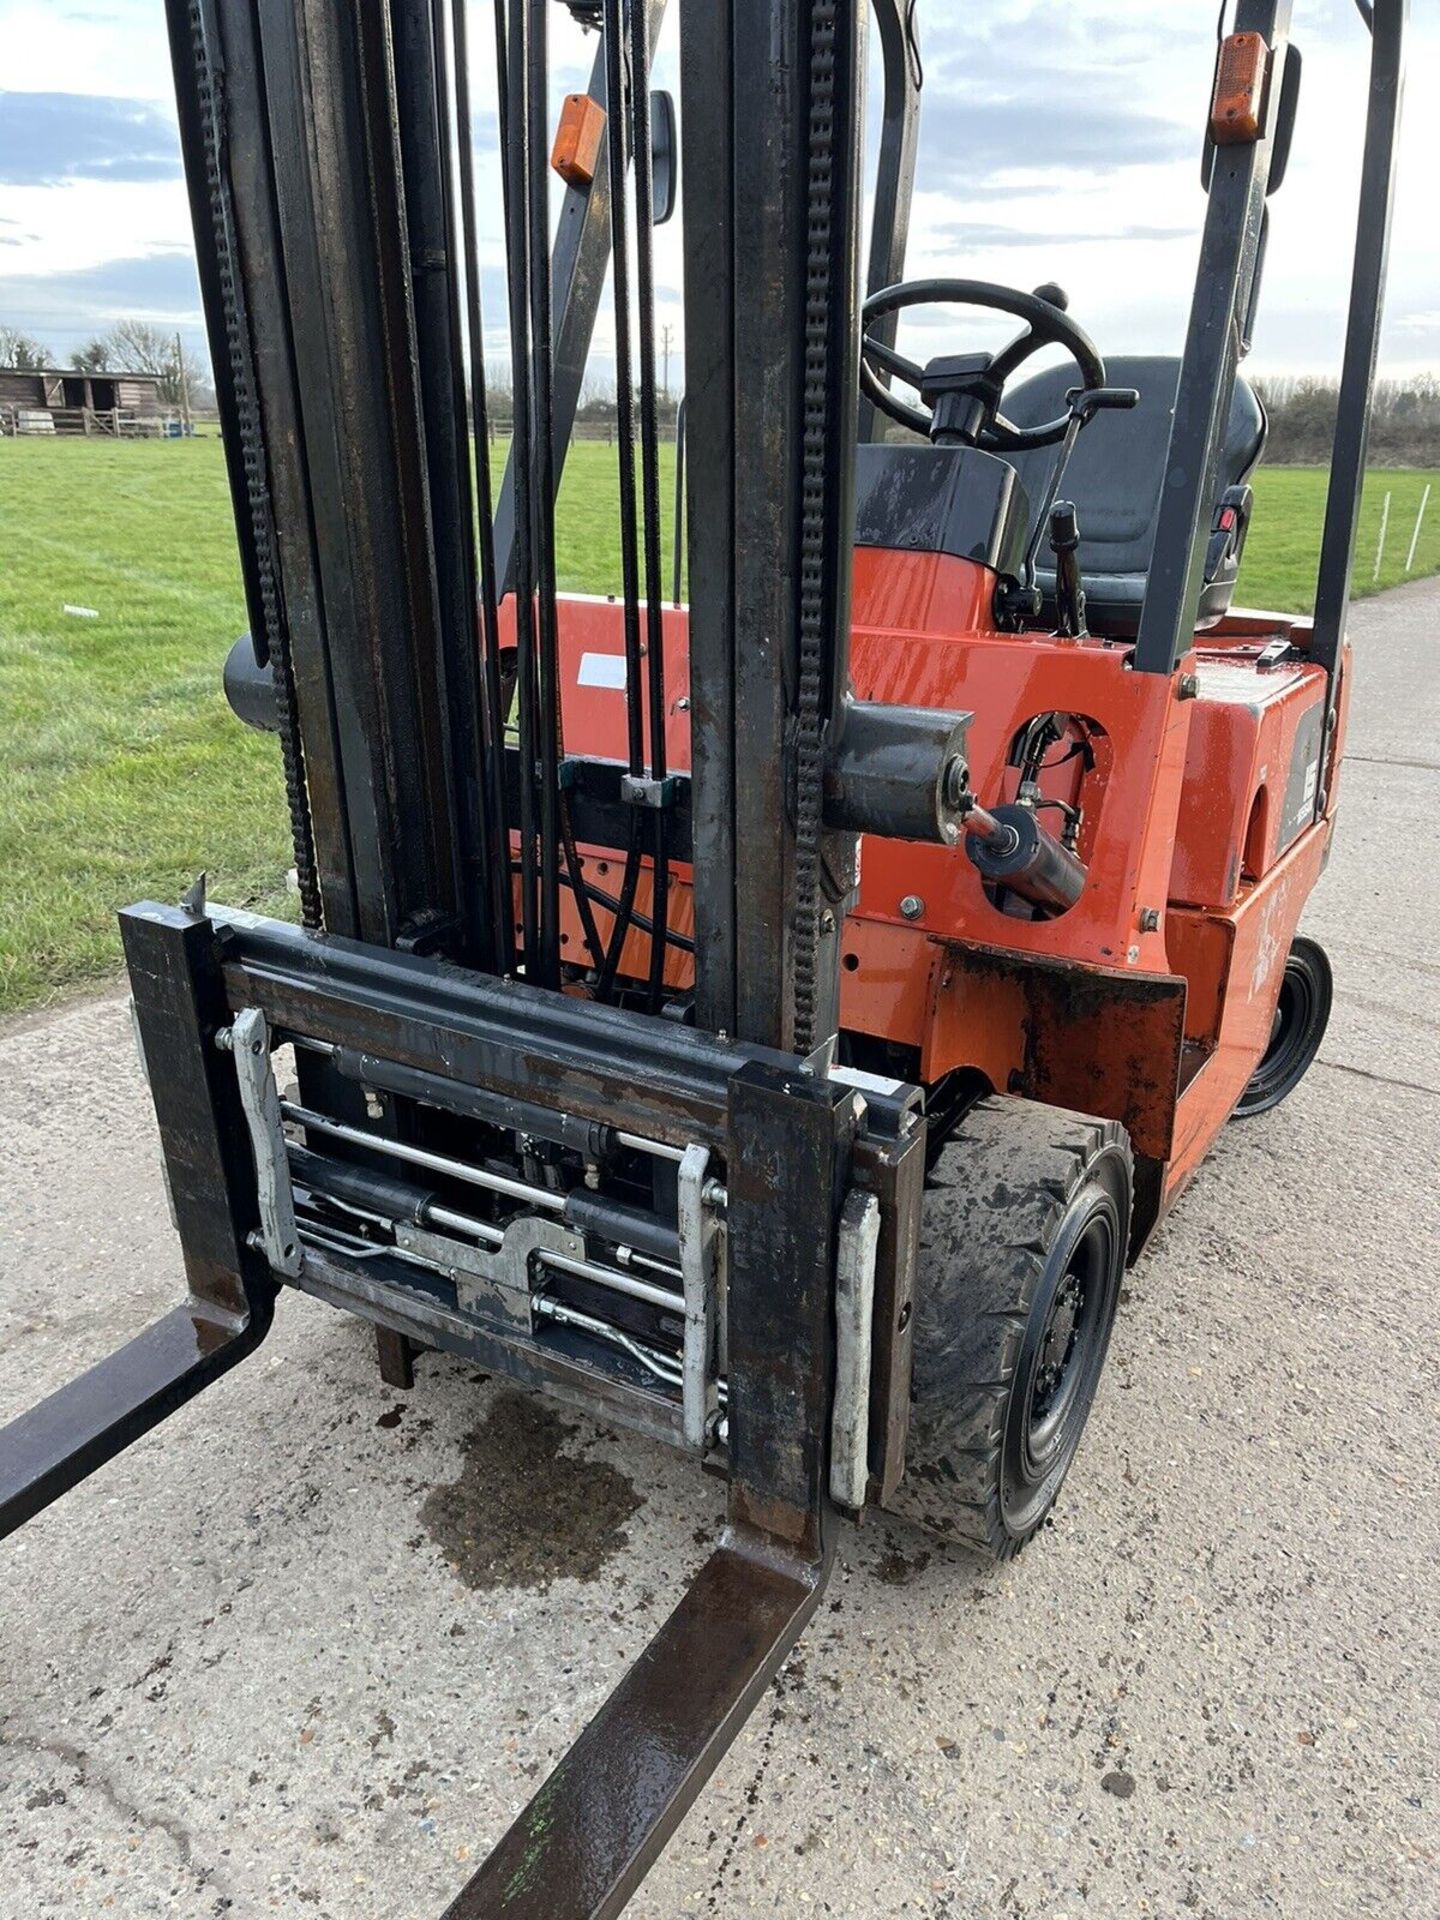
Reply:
x=1151, y=1000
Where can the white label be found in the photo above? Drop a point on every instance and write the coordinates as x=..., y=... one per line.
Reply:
x=602, y=670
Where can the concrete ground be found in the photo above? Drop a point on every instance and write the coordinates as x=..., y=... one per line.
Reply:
x=303, y=1652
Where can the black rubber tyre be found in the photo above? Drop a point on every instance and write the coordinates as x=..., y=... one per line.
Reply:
x=1022, y=1250
x=1302, y=1014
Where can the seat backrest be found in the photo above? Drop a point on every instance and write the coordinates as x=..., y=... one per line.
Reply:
x=1115, y=473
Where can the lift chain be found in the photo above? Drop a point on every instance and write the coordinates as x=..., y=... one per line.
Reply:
x=257, y=487
x=810, y=684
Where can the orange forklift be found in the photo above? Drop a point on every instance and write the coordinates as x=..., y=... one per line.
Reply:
x=771, y=1022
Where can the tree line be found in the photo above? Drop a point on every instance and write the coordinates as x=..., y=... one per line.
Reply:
x=1404, y=421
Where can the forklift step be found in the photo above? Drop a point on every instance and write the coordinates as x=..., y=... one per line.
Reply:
x=590, y=1835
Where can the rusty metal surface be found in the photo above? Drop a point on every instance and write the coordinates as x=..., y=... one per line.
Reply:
x=1101, y=1040
x=587, y=1839
x=590, y=1834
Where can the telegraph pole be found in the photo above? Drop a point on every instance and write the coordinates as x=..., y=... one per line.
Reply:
x=184, y=383
x=666, y=333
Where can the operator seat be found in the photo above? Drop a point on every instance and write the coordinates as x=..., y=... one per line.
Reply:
x=1114, y=478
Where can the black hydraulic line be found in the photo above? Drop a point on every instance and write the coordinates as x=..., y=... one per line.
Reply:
x=492, y=711
x=425, y=104
x=617, y=110
x=497, y=565
x=542, y=501
x=517, y=161
x=681, y=942
x=650, y=487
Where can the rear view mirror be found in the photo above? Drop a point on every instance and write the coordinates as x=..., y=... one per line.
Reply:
x=664, y=155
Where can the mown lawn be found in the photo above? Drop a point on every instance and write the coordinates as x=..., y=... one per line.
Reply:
x=121, y=770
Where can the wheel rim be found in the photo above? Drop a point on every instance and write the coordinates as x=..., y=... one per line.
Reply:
x=1062, y=1356
x=1301, y=1011
x=1069, y=1326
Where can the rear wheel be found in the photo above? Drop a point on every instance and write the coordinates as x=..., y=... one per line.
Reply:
x=1301, y=1015
x=1023, y=1241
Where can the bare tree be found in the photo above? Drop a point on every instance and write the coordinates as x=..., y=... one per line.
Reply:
x=138, y=346
x=22, y=351
x=135, y=346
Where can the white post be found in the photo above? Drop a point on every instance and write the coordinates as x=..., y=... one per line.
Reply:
x=1415, y=536
x=1384, y=525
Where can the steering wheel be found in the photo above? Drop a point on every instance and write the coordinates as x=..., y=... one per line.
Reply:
x=978, y=380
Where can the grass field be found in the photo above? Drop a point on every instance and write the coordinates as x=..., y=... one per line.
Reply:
x=121, y=770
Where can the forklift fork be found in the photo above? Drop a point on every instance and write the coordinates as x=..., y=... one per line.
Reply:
x=821, y=1193
x=179, y=1005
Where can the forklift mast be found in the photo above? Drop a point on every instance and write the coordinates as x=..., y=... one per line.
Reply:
x=673, y=1204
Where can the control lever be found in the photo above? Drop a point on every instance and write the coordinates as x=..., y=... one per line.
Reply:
x=1084, y=404
x=1069, y=588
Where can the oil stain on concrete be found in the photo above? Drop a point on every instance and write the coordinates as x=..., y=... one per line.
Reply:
x=522, y=1513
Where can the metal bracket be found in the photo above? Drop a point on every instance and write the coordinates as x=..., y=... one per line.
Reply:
x=857, y=1243
x=643, y=790
x=702, y=1255
x=249, y=1040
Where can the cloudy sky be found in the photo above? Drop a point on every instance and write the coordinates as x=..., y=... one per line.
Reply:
x=1059, y=142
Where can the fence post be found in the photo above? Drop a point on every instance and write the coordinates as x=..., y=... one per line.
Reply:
x=1415, y=536
x=1384, y=525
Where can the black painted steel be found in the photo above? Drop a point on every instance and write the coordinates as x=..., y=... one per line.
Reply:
x=653, y=1077
x=582, y=1846
x=179, y=1003
x=793, y=326
x=903, y=76
x=1362, y=334
x=707, y=187
x=650, y=493
x=488, y=577
x=542, y=444
x=1229, y=258
x=517, y=158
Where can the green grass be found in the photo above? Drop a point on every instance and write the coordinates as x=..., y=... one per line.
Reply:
x=121, y=770
x=1283, y=549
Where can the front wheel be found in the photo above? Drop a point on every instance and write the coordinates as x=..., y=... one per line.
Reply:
x=1022, y=1251
x=1301, y=1015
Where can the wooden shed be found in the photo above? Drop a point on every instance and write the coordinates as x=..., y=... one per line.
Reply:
x=51, y=400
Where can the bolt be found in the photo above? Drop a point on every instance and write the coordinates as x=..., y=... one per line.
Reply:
x=956, y=781
x=682, y=705
x=374, y=1104
x=714, y=1194
x=1149, y=920
x=827, y=921
x=912, y=906
x=225, y=1040
x=1187, y=686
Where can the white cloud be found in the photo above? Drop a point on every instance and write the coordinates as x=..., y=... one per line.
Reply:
x=1051, y=117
